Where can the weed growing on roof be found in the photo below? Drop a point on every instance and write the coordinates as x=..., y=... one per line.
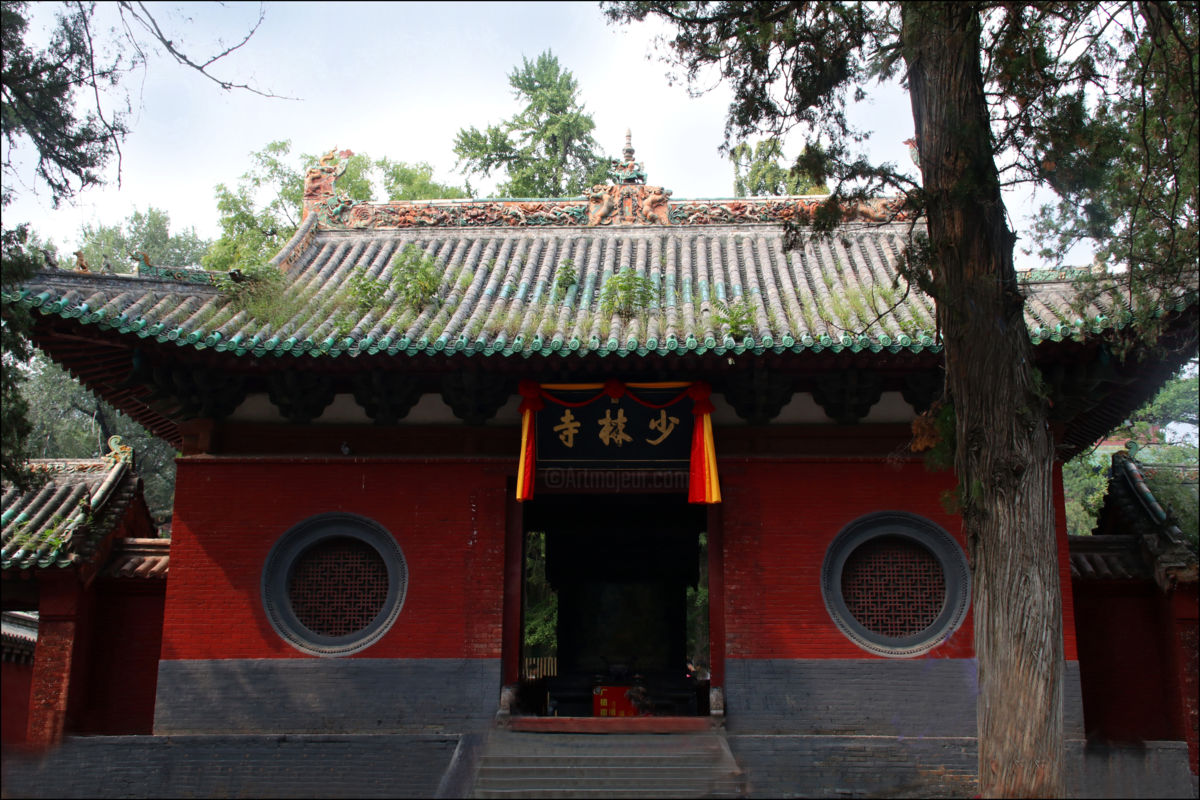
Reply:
x=364, y=292
x=415, y=277
x=221, y=317
x=738, y=315
x=260, y=291
x=626, y=293
x=512, y=325
x=841, y=311
x=587, y=321
x=774, y=323
x=564, y=279
x=856, y=299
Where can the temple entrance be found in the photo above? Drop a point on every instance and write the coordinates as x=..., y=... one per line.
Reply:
x=615, y=607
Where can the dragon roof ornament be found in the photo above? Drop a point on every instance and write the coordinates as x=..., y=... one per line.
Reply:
x=628, y=201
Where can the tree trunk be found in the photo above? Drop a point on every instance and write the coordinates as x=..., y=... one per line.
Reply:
x=1004, y=450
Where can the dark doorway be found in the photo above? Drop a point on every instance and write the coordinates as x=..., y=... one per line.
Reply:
x=620, y=581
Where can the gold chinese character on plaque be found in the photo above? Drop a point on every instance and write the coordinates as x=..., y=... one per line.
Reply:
x=664, y=425
x=612, y=431
x=567, y=428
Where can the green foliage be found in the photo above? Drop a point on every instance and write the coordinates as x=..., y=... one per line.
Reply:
x=541, y=601
x=51, y=100
x=1150, y=439
x=364, y=292
x=148, y=232
x=547, y=149
x=260, y=214
x=37, y=107
x=1177, y=402
x=415, y=277
x=626, y=293
x=261, y=291
x=738, y=315
x=1127, y=164
x=564, y=279
x=17, y=263
x=68, y=421
x=757, y=172
x=1178, y=498
x=38, y=104
x=404, y=181
x=1085, y=484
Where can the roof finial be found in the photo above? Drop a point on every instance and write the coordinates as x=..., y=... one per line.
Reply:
x=629, y=171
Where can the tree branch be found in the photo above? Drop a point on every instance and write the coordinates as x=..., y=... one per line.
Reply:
x=143, y=17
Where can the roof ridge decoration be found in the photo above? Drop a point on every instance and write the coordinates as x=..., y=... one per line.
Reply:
x=628, y=202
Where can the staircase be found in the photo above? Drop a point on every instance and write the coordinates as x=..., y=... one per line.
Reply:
x=517, y=764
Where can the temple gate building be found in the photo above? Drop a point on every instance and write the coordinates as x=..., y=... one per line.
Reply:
x=686, y=434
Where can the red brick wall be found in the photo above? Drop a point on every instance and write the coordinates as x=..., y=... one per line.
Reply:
x=779, y=519
x=15, y=681
x=447, y=516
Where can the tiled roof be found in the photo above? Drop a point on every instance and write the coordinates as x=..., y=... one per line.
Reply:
x=1135, y=537
x=1108, y=558
x=139, y=558
x=65, y=521
x=497, y=296
x=19, y=633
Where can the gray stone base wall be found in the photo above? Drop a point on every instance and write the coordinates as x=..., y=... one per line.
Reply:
x=856, y=766
x=326, y=695
x=410, y=765
x=1147, y=769
x=918, y=697
x=443, y=765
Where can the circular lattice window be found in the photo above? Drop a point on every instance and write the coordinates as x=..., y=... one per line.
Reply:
x=895, y=583
x=334, y=584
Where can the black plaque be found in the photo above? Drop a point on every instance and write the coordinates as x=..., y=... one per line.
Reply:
x=615, y=433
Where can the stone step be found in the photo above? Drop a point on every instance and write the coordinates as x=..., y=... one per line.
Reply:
x=551, y=776
x=583, y=761
x=631, y=791
x=640, y=791
x=517, y=764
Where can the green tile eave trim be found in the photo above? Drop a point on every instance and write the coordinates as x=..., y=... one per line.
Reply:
x=1074, y=328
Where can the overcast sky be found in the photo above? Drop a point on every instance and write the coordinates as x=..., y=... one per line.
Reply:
x=400, y=80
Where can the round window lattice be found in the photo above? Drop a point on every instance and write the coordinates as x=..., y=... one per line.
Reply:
x=896, y=584
x=334, y=584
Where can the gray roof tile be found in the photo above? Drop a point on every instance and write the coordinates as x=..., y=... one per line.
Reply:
x=63, y=521
x=497, y=295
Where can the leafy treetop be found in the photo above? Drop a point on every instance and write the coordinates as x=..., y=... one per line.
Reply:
x=546, y=149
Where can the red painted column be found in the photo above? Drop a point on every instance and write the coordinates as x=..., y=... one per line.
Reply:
x=58, y=627
x=514, y=556
x=716, y=596
x=1183, y=662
